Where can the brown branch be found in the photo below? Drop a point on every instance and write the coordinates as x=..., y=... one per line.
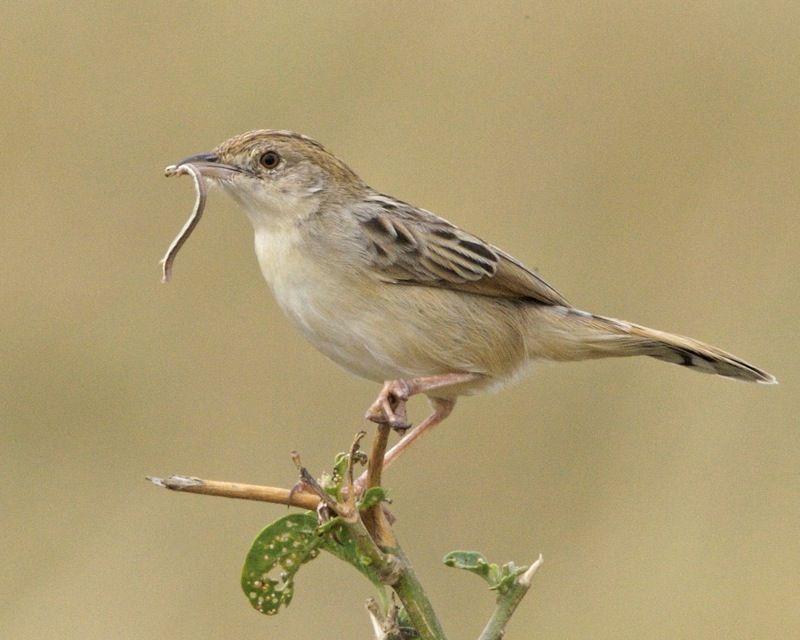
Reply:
x=356, y=455
x=375, y=517
x=376, y=458
x=275, y=495
x=370, y=529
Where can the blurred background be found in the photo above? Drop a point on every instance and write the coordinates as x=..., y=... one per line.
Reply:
x=643, y=156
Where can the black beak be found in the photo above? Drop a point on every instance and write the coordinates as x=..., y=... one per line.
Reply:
x=200, y=158
x=209, y=166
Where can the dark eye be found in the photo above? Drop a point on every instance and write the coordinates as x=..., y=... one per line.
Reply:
x=269, y=160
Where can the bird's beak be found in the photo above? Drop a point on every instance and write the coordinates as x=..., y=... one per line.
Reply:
x=209, y=165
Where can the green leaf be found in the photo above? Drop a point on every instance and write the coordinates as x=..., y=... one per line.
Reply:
x=371, y=497
x=275, y=557
x=500, y=579
x=469, y=561
x=284, y=546
x=278, y=552
x=340, y=465
x=333, y=482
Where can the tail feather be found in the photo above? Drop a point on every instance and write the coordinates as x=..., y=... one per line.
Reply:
x=584, y=335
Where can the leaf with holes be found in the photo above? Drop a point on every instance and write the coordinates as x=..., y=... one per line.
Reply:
x=275, y=557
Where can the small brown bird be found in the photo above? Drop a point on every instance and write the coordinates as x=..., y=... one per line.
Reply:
x=399, y=295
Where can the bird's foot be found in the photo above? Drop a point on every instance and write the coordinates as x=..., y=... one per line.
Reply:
x=390, y=406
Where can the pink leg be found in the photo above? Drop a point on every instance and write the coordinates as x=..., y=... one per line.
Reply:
x=390, y=406
x=441, y=409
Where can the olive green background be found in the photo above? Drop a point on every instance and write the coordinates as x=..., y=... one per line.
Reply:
x=643, y=156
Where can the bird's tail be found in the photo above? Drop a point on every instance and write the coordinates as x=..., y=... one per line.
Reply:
x=561, y=333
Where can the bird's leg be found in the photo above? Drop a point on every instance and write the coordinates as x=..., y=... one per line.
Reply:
x=390, y=406
x=441, y=409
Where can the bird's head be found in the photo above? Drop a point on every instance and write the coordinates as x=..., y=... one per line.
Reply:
x=278, y=175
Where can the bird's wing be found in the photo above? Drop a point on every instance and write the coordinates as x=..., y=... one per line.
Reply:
x=412, y=246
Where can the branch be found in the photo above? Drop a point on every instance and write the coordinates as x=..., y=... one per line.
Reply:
x=388, y=559
x=419, y=609
x=372, y=534
x=385, y=626
x=407, y=587
x=276, y=495
x=375, y=517
x=507, y=603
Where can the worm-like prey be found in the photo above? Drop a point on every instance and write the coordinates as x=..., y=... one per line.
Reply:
x=191, y=223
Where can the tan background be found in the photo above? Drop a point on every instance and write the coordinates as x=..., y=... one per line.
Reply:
x=643, y=155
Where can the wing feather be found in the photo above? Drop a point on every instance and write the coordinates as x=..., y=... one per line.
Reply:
x=413, y=246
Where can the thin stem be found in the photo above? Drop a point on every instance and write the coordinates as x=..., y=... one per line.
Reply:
x=376, y=462
x=374, y=517
x=371, y=531
x=407, y=587
x=276, y=495
x=416, y=603
x=507, y=603
x=376, y=617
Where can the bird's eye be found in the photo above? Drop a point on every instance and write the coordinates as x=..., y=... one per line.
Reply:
x=269, y=160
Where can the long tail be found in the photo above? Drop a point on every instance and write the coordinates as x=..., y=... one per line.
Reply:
x=561, y=333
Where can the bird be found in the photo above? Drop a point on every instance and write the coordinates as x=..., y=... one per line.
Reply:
x=398, y=295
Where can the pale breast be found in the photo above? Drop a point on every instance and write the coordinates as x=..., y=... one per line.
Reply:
x=383, y=331
x=322, y=303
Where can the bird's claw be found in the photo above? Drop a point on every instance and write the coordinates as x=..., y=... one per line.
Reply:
x=390, y=406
